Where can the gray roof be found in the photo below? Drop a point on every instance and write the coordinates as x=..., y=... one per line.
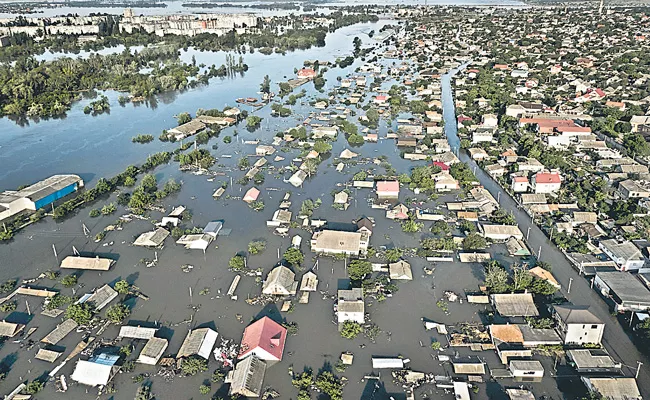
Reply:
x=248, y=377
x=47, y=355
x=48, y=186
x=626, y=250
x=9, y=329
x=528, y=365
x=154, y=348
x=102, y=297
x=515, y=305
x=615, y=388
x=60, y=332
x=137, y=332
x=280, y=281
x=626, y=286
x=539, y=335
x=572, y=314
x=591, y=358
x=152, y=239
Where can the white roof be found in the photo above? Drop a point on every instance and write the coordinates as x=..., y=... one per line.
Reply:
x=91, y=374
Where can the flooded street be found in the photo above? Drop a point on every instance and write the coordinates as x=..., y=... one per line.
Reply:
x=317, y=344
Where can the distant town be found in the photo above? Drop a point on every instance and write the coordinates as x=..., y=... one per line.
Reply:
x=369, y=201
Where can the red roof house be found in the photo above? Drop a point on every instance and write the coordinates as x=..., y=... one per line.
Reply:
x=265, y=338
x=546, y=182
x=442, y=165
x=388, y=189
x=251, y=195
x=307, y=73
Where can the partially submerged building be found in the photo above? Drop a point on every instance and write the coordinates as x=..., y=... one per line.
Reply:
x=38, y=195
x=593, y=361
x=514, y=304
x=577, y=325
x=87, y=263
x=624, y=290
x=198, y=342
x=350, y=306
x=280, y=281
x=153, y=351
x=264, y=339
x=100, y=298
x=60, y=332
x=613, y=388
x=152, y=239
x=97, y=371
x=248, y=377
x=340, y=242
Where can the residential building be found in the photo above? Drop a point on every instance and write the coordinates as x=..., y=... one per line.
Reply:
x=388, y=189
x=153, y=351
x=593, y=361
x=280, y=281
x=624, y=253
x=340, y=242
x=199, y=342
x=264, y=339
x=350, y=306
x=613, y=388
x=514, y=304
x=624, y=290
x=545, y=182
x=248, y=378
x=630, y=189
x=577, y=325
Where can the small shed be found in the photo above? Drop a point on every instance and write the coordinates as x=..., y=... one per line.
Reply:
x=309, y=282
x=526, y=369
x=137, y=332
x=9, y=329
x=153, y=351
x=100, y=298
x=152, y=239
x=251, y=195
x=388, y=363
x=47, y=355
x=400, y=270
x=341, y=197
x=347, y=154
x=198, y=342
x=470, y=365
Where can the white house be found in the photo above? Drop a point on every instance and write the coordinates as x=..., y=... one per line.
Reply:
x=577, y=325
x=350, y=306
x=624, y=253
x=546, y=182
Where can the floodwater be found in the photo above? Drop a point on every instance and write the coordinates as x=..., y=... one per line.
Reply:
x=176, y=7
x=317, y=345
x=81, y=143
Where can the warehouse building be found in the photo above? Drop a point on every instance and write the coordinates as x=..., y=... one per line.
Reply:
x=38, y=195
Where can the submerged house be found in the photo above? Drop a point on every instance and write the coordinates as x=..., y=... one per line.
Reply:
x=198, y=342
x=263, y=339
x=248, y=377
x=280, y=281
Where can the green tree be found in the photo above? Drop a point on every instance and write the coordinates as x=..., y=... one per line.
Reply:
x=351, y=329
x=204, y=389
x=256, y=246
x=265, y=86
x=636, y=144
x=183, y=118
x=194, y=365
x=34, y=387
x=496, y=277
x=440, y=228
x=80, y=313
x=411, y=226
x=293, y=256
x=358, y=269
x=237, y=263
x=122, y=287
x=117, y=313
x=474, y=241
x=322, y=147
x=521, y=278
x=392, y=255
x=355, y=139
x=69, y=280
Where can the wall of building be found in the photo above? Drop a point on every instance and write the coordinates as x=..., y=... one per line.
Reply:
x=583, y=334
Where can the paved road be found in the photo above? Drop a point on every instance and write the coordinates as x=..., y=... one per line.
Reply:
x=615, y=339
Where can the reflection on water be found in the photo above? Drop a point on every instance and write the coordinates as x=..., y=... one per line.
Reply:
x=102, y=144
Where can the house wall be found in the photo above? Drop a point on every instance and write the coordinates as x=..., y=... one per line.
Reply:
x=352, y=316
x=582, y=333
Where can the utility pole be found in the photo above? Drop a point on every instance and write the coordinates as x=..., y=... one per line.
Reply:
x=569, y=289
x=638, y=368
x=539, y=253
x=528, y=233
